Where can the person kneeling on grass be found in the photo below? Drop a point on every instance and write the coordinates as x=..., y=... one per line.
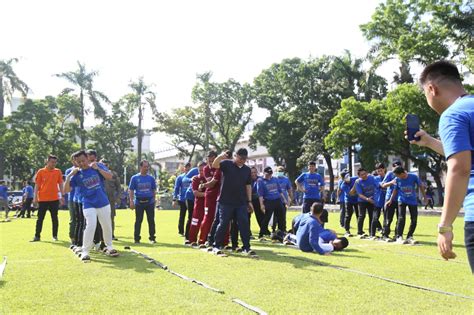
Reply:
x=309, y=230
x=89, y=179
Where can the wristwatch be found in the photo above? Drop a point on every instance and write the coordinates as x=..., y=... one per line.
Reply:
x=443, y=229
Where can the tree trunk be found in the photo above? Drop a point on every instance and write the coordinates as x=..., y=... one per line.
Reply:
x=81, y=121
x=192, y=154
x=139, y=134
x=291, y=170
x=439, y=186
x=349, y=157
x=328, y=159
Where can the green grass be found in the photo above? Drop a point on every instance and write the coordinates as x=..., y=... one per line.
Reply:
x=45, y=277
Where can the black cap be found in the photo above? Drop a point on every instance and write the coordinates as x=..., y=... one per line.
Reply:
x=212, y=153
x=268, y=169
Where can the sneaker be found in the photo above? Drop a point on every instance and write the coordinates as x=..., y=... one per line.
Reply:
x=114, y=238
x=249, y=252
x=55, y=238
x=400, y=240
x=411, y=241
x=387, y=239
x=217, y=251
x=348, y=234
x=85, y=258
x=78, y=250
x=72, y=246
x=193, y=244
x=35, y=239
x=187, y=242
x=137, y=242
x=372, y=238
x=363, y=236
x=252, y=237
x=111, y=252
x=227, y=247
x=237, y=250
x=152, y=242
x=201, y=246
x=262, y=239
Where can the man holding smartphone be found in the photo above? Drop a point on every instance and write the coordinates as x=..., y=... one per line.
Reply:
x=446, y=95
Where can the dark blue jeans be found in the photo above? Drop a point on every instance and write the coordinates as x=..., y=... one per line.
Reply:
x=150, y=217
x=307, y=203
x=469, y=241
x=227, y=213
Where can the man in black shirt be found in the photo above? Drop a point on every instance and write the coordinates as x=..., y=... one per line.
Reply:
x=235, y=199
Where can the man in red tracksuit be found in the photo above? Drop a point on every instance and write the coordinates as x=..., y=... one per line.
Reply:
x=198, y=182
x=213, y=187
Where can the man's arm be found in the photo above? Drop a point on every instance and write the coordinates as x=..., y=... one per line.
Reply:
x=314, y=238
x=248, y=188
x=218, y=159
x=106, y=174
x=67, y=183
x=393, y=196
x=428, y=141
x=131, y=195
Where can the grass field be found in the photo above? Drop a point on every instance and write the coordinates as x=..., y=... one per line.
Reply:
x=45, y=277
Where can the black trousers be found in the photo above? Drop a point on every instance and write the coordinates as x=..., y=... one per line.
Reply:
x=259, y=215
x=350, y=209
x=26, y=207
x=469, y=241
x=375, y=223
x=342, y=217
x=274, y=207
x=364, y=208
x=80, y=224
x=402, y=212
x=150, y=217
x=190, y=207
x=389, y=212
x=44, y=206
x=182, y=216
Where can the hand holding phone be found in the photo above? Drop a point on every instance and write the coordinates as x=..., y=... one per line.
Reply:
x=413, y=126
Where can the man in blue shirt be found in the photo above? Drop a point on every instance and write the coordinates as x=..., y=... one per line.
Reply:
x=179, y=195
x=189, y=196
x=307, y=235
x=270, y=196
x=365, y=187
x=392, y=209
x=350, y=201
x=71, y=207
x=406, y=187
x=4, y=199
x=287, y=191
x=312, y=185
x=379, y=199
x=89, y=177
x=340, y=197
x=445, y=93
x=142, y=190
x=27, y=199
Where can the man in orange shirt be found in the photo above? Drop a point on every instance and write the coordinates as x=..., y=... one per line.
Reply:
x=49, y=183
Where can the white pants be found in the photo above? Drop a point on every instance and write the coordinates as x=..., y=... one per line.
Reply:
x=91, y=215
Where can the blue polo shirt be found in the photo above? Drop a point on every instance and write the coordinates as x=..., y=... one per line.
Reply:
x=144, y=186
x=179, y=189
x=341, y=193
x=308, y=233
x=285, y=186
x=269, y=189
x=346, y=188
x=380, y=192
x=90, y=184
x=70, y=195
x=407, y=189
x=29, y=191
x=366, y=188
x=233, y=184
x=388, y=178
x=311, y=183
x=3, y=192
x=456, y=129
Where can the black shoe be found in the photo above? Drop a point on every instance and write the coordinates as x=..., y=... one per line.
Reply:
x=137, y=242
x=114, y=238
x=35, y=239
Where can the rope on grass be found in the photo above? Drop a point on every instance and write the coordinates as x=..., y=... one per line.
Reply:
x=249, y=307
x=3, y=266
x=164, y=267
x=421, y=256
x=414, y=286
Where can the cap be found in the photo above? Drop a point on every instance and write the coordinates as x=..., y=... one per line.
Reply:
x=268, y=169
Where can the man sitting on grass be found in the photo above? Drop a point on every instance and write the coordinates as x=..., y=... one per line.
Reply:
x=310, y=235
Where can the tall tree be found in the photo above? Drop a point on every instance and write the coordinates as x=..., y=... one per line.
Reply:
x=84, y=81
x=9, y=83
x=141, y=98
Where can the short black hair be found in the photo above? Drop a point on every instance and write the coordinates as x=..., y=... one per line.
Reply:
x=143, y=162
x=379, y=166
x=79, y=153
x=398, y=170
x=242, y=152
x=312, y=163
x=317, y=207
x=344, y=242
x=91, y=152
x=187, y=165
x=442, y=69
x=202, y=163
x=361, y=170
x=52, y=157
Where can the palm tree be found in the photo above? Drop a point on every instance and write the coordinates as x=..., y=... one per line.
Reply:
x=83, y=79
x=9, y=83
x=137, y=101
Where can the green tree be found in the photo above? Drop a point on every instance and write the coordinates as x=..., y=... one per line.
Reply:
x=9, y=83
x=141, y=98
x=84, y=81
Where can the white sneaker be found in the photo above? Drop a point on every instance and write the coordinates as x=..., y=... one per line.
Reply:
x=400, y=240
x=411, y=241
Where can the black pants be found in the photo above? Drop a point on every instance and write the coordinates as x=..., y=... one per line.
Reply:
x=212, y=233
x=150, y=217
x=80, y=224
x=190, y=206
x=260, y=216
x=402, y=212
x=26, y=207
x=307, y=203
x=342, y=217
x=274, y=207
x=98, y=235
x=469, y=241
x=44, y=206
x=350, y=209
x=375, y=223
x=430, y=203
x=389, y=212
x=182, y=216
x=275, y=219
x=234, y=233
x=364, y=207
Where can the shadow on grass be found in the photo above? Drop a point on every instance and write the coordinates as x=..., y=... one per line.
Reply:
x=435, y=244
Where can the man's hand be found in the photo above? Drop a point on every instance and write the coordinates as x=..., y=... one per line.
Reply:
x=388, y=203
x=174, y=203
x=445, y=245
x=250, y=207
x=370, y=200
x=62, y=202
x=262, y=207
x=132, y=205
x=94, y=165
x=424, y=141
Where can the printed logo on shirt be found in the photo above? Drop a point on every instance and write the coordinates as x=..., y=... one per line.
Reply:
x=144, y=187
x=91, y=182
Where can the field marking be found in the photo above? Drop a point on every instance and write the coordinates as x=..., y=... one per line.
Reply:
x=421, y=256
x=3, y=266
x=249, y=307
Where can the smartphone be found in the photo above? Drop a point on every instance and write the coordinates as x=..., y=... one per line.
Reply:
x=413, y=126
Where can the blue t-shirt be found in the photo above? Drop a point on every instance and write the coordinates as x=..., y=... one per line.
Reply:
x=188, y=195
x=179, y=189
x=269, y=189
x=366, y=188
x=285, y=186
x=346, y=188
x=144, y=186
x=70, y=195
x=380, y=192
x=327, y=235
x=307, y=236
x=342, y=194
x=456, y=129
x=29, y=191
x=311, y=183
x=91, y=189
x=388, y=178
x=407, y=188
x=233, y=183
x=3, y=192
